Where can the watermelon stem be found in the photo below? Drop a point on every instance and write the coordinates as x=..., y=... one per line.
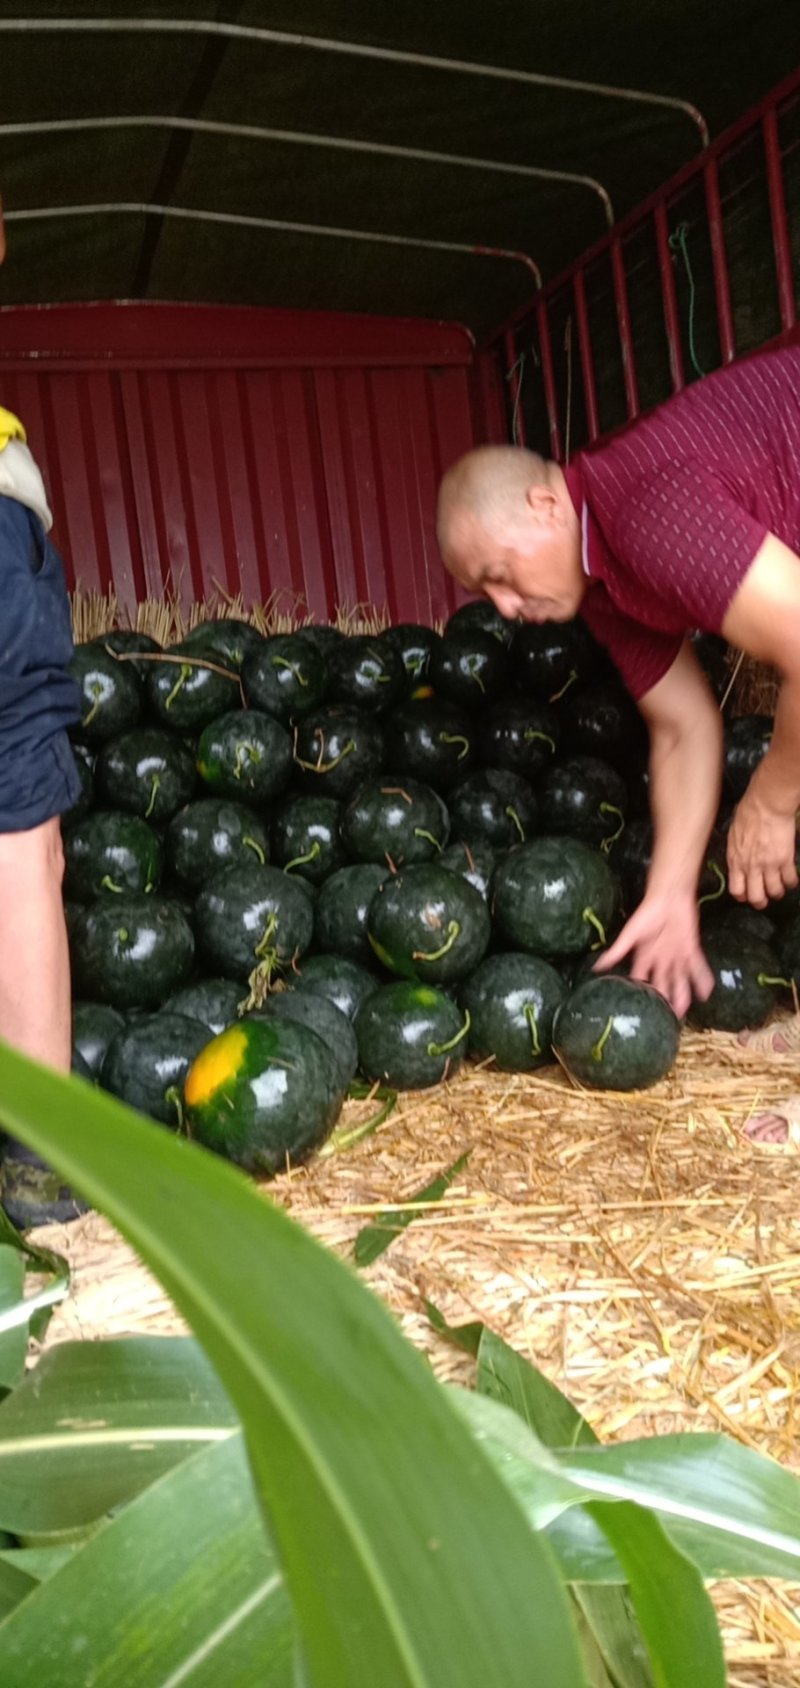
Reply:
x=565, y=688
x=589, y=914
x=253, y=845
x=245, y=753
x=513, y=816
x=711, y=896
x=444, y=1048
x=262, y=949
x=300, y=861
x=531, y=733
x=597, y=1052
x=98, y=699
x=611, y=809
x=453, y=932
x=420, y=832
x=456, y=738
x=347, y=1137
x=529, y=1011
x=175, y=1100
x=320, y=767
x=767, y=979
x=294, y=668
x=474, y=675
x=185, y=674
x=155, y=786
x=395, y=791
x=108, y=884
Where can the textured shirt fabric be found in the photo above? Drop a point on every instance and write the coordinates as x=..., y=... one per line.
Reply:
x=675, y=510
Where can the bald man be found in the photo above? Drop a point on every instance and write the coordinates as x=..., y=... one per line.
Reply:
x=691, y=519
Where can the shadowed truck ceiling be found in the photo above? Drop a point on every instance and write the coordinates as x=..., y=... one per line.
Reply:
x=308, y=153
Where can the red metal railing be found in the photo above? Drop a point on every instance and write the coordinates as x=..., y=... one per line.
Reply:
x=535, y=319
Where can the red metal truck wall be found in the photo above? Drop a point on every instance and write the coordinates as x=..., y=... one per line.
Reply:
x=258, y=452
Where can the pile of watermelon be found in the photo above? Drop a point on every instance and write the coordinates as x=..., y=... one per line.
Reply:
x=308, y=859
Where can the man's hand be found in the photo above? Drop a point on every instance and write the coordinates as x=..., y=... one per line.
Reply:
x=663, y=939
x=761, y=851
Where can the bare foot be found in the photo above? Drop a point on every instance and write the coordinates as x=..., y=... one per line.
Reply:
x=782, y=1037
x=780, y=1124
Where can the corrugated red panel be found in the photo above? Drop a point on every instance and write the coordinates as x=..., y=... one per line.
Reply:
x=266, y=453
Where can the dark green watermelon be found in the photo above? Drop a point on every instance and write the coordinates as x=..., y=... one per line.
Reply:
x=304, y=837
x=312, y=1009
x=147, y=1062
x=519, y=735
x=366, y=673
x=340, y=916
x=603, y=721
x=468, y=668
x=345, y=983
x=336, y=749
x=413, y=645
x=549, y=657
x=746, y=742
x=493, y=807
x=250, y=915
x=480, y=616
x=554, y=896
x=187, y=688
x=410, y=1036
x=94, y=1026
x=215, y=1003
x=127, y=643
x=749, y=982
x=285, y=677
x=111, y=853
x=265, y=1093
x=246, y=755
x=131, y=952
x=584, y=798
x=111, y=694
x=432, y=741
x=324, y=638
x=616, y=1034
x=511, y=1000
x=210, y=834
x=84, y=763
x=429, y=924
x=148, y=772
x=394, y=819
x=474, y=862
x=227, y=638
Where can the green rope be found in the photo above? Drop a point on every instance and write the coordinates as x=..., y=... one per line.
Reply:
x=679, y=243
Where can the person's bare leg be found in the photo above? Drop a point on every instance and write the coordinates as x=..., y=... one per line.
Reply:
x=34, y=959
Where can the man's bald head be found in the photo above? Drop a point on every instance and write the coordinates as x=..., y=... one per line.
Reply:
x=507, y=527
x=489, y=485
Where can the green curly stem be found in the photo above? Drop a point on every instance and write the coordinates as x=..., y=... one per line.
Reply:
x=767, y=979
x=589, y=914
x=722, y=885
x=320, y=767
x=456, y=738
x=513, y=816
x=531, y=733
x=123, y=934
x=155, y=787
x=565, y=688
x=346, y=1137
x=253, y=845
x=109, y=884
x=453, y=932
x=597, y=1052
x=293, y=667
x=474, y=675
x=301, y=861
x=444, y=1048
x=246, y=753
x=262, y=949
x=420, y=832
x=87, y=720
x=529, y=1011
x=175, y=1100
x=611, y=809
x=185, y=674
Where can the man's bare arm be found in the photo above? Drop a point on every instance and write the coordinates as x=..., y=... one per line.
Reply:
x=662, y=936
x=764, y=620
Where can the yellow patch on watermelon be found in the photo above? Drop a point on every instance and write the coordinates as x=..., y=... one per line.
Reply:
x=218, y=1062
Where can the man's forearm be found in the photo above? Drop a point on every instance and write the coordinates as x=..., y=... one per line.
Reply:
x=685, y=783
x=776, y=781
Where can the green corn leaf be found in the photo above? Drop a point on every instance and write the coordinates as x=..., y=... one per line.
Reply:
x=408, y=1562
x=180, y=1588
x=14, y=1341
x=374, y=1238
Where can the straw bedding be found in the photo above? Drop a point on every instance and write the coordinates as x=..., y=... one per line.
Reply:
x=639, y=1248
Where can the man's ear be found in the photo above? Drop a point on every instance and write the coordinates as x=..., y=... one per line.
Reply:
x=541, y=502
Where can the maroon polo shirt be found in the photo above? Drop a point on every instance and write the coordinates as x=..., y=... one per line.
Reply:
x=674, y=511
